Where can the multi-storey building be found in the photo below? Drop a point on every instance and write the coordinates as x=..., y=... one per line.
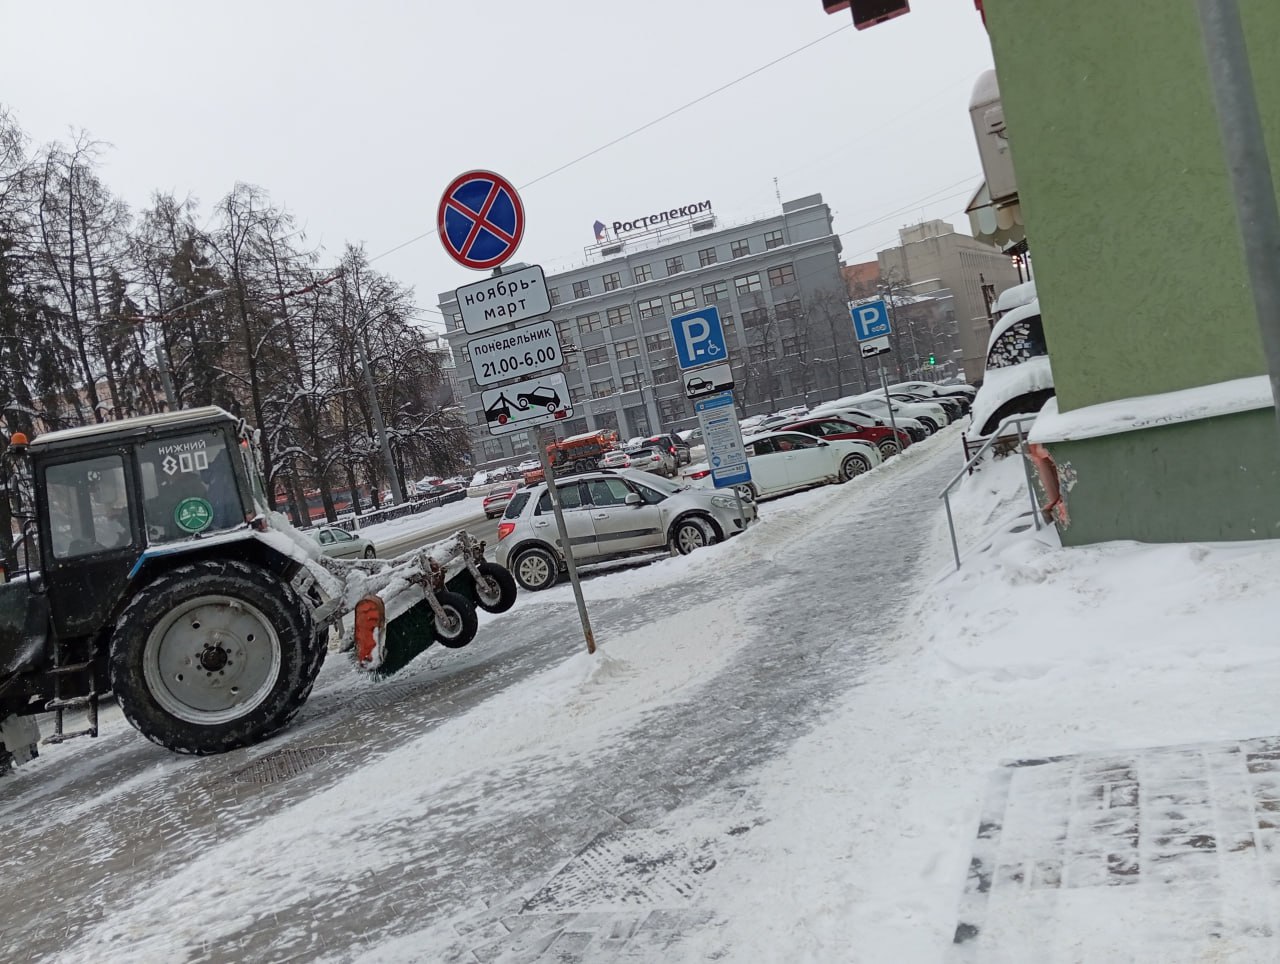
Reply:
x=933, y=250
x=776, y=282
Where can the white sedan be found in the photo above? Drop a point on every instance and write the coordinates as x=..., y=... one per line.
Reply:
x=342, y=544
x=784, y=462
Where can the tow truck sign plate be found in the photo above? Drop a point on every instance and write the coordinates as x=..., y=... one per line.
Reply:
x=510, y=297
x=521, y=405
x=518, y=353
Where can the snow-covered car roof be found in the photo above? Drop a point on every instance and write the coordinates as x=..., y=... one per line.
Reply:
x=1015, y=297
x=1005, y=384
x=1021, y=313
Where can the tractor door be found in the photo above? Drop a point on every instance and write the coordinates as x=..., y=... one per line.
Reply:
x=90, y=538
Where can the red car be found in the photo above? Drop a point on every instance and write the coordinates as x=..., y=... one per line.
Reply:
x=881, y=436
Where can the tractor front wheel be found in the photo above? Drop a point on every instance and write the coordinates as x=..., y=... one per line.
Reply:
x=214, y=656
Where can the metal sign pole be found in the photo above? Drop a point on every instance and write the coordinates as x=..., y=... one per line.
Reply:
x=884, y=383
x=1249, y=167
x=535, y=438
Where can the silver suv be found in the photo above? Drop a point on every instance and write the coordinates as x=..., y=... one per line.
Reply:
x=610, y=514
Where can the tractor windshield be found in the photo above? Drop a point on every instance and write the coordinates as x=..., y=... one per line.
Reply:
x=189, y=487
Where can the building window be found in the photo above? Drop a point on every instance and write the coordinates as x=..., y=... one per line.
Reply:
x=493, y=448
x=567, y=331
x=650, y=308
x=581, y=289
x=612, y=281
x=671, y=409
x=759, y=353
x=791, y=345
x=667, y=373
x=456, y=321
x=706, y=256
x=727, y=323
x=787, y=310
x=554, y=295
x=683, y=301
x=626, y=349
x=466, y=353
x=747, y=284
x=740, y=249
x=719, y=291
x=772, y=239
x=602, y=388
x=631, y=382
x=783, y=274
x=659, y=342
x=619, y=315
x=643, y=273
x=596, y=356
x=590, y=322
x=755, y=317
x=675, y=265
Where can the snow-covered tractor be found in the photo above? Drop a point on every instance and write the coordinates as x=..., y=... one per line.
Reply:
x=152, y=568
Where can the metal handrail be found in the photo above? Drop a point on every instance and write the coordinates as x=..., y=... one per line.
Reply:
x=945, y=495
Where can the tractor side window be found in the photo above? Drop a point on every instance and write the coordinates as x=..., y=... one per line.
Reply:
x=88, y=507
x=189, y=487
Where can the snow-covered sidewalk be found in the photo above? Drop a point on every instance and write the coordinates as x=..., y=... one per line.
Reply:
x=1132, y=687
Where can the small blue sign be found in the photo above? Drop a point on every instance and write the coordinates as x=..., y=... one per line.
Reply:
x=870, y=320
x=699, y=337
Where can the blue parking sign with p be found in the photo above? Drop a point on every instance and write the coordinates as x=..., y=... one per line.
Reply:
x=870, y=320
x=699, y=337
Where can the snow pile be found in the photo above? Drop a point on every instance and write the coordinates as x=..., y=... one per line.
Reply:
x=406, y=527
x=1000, y=385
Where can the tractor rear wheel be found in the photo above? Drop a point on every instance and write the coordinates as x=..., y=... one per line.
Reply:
x=214, y=656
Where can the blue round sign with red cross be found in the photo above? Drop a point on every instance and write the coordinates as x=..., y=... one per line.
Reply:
x=480, y=219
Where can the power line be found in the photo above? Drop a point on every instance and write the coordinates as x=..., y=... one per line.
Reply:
x=643, y=127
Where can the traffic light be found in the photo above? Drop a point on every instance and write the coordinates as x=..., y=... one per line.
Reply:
x=868, y=13
x=931, y=361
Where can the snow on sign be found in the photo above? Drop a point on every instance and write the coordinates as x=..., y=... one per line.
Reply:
x=480, y=219
x=722, y=436
x=512, y=296
x=518, y=353
x=524, y=404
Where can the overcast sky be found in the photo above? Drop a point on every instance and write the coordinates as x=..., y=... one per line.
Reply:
x=355, y=115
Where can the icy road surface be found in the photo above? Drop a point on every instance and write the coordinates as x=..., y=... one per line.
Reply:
x=515, y=800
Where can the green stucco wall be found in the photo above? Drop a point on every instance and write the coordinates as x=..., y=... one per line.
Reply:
x=1120, y=173
x=1211, y=480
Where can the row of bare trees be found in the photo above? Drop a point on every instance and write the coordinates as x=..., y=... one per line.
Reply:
x=107, y=313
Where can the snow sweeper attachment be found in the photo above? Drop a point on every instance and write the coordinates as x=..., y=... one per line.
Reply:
x=414, y=601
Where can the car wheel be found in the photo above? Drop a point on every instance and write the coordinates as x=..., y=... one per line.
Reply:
x=370, y=552
x=930, y=426
x=888, y=448
x=690, y=534
x=460, y=623
x=536, y=569
x=854, y=465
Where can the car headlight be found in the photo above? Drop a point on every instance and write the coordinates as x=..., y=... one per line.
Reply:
x=724, y=502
